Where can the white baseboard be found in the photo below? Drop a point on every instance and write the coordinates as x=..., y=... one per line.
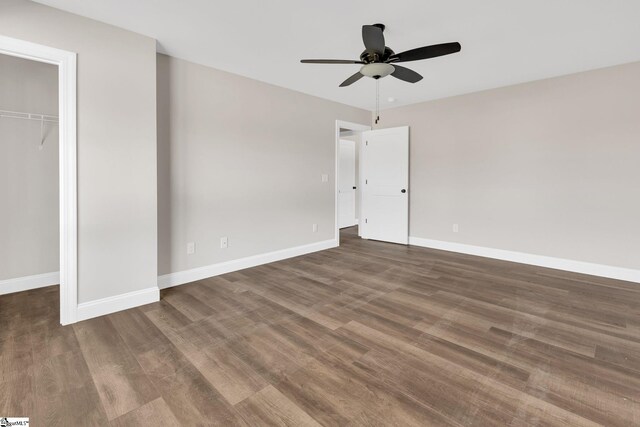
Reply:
x=194, y=274
x=600, y=270
x=25, y=283
x=91, y=309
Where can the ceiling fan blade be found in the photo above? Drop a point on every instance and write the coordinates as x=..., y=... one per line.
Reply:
x=373, y=38
x=357, y=76
x=330, y=61
x=426, y=52
x=406, y=74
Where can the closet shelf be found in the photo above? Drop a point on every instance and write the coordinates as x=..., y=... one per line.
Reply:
x=28, y=116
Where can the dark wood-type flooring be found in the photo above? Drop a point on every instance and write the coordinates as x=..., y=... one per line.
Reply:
x=365, y=334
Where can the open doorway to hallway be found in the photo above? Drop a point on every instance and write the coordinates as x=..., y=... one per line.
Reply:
x=348, y=196
x=348, y=191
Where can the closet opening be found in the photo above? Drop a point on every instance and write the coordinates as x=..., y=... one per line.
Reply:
x=38, y=226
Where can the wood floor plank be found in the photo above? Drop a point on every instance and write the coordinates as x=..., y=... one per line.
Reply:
x=15, y=321
x=67, y=393
x=269, y=407
x=137, y=331
x=627, y=358
x=52, y=339
x=154, y=413
x=337, y=393
x=166, y=317
x=435, y=379
x=586, y=400
x=18, y=394
x=206, y=332
x=120, y=380
x=192, y=399
x=300, y=306
x=268, y=355
x=15, y=357
x=227, y=373
x=484, y=315
x=191, y=307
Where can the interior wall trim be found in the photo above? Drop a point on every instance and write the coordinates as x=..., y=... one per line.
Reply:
x=194, y=274
x=91, y=309
x=25, y=283
x=591, y=269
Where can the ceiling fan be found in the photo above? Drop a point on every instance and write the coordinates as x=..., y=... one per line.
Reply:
x=379, y=61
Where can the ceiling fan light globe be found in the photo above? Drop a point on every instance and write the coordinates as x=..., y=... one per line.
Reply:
x=377, y=70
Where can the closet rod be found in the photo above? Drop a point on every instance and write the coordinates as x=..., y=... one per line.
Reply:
x=28, y=116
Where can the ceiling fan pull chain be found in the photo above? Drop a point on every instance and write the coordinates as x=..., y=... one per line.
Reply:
x=377, y=100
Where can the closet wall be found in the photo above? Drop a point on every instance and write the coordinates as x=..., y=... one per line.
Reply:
x=29, y=229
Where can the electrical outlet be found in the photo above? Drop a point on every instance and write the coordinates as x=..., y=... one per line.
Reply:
x=191, y=248
x=224, y=243
x=315, y=228
x=456, y=228
x=325, y=177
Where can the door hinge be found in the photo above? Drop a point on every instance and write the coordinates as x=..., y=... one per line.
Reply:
x=366, y=181
x=366, y=221
x=366, y=143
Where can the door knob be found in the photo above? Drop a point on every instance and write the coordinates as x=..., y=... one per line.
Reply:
x=403, y=191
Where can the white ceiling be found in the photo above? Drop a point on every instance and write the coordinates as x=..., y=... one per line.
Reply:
x=503, y=41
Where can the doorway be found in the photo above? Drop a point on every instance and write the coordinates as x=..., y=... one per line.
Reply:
x=378, y=207
x=347, y=183
x=347, y=167
x=67, y=173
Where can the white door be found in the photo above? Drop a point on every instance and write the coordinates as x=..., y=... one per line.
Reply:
x=347, y=184
x=385, y=187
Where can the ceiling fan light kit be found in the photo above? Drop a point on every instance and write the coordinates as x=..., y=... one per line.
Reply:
x=380, y=61
x=377, y=70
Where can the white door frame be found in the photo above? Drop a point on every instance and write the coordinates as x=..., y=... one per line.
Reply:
x=356, y=127
x=66, y=62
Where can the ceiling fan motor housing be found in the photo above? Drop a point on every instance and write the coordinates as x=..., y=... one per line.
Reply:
x=368, y=56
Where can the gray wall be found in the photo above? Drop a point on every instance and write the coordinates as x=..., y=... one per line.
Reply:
x=29, y=213
x=117, y=207
x=242, y=159
x=548, y=168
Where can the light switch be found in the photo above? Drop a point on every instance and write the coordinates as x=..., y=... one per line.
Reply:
x=325, y=177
